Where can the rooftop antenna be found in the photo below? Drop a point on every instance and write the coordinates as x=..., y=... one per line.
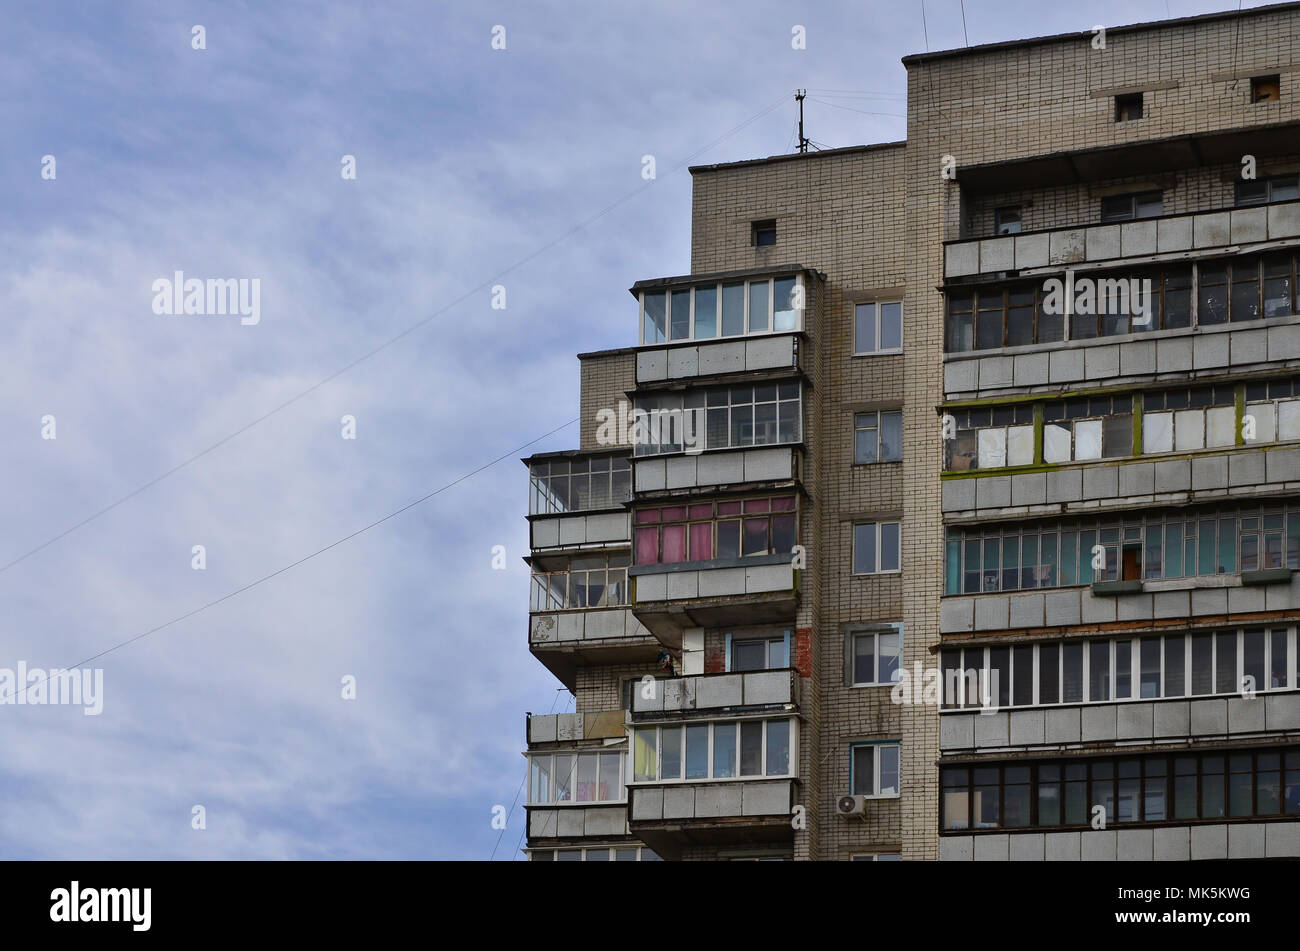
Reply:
x=798, y=97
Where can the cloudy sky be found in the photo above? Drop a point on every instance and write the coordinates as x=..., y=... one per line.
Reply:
x=474, y=167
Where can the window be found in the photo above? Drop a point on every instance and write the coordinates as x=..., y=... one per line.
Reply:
x=878, y=437
x=708, y=311
x=1132, y=206
x=704, y=531
x=1266, y=88
x=1118, y=669
x=878, y=327
x=991, y=437
x=1007, y=220
x=712, y=750
x=575, y=777
x=585, y=581
x=1189, y=418
x=1261, y=191
x=1097, y=427
x=577, y=485
x=873, y=769
x=725, y=417
x=875, y=655
x=876, y=857
x=995, y=317
x=875, y=547
x=764, y=233
x=614, y=853
x=758, y=653
x=1128, y=107
x=1200, y=787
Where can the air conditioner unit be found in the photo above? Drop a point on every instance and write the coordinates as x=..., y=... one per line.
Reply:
x=851, y=805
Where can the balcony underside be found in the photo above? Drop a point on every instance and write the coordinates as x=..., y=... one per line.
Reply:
x=1129, y=159
x=564, y=658
x=667, y=619
x=669, y=839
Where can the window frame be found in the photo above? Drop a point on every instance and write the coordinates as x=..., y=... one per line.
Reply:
x=877, y=750
x=792, y=752
x=879, y=415
x=878, y=325
x=800, y=288
x=879, y=541
x=875, y=632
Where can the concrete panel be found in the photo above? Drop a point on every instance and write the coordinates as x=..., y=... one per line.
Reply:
x=1174, y=355
x=1133, y=607
x=957, y=731
x=992, y=613
x=1138, y=238
x=542, y=823
x=679, y=802
x=1134, y=845
x=718, y=582
x=992, y=848
x=1065, y=485
x=995, y=372
x=611, y=527
x=1173, y=845
x=961, y=376
x=1030, y=369
x=765, y=799
x=1062, y=607
x=604, y=821
x=958, y=495
x=1029, y=488
x=1103, y=243
x=1209, y=717
x=1027, y=847
x=648, y=803
x=679, y=693
x=651, y=588
x=1137, y=478
x=997, y=254
x=712, y=801
x=568, y=726
x=763, y=578
x=720, y=468
x=1027, y=610
x=1246, y=841
x=1283, y=221
x=1284, y=342
x=1100, y=482
x=1282, y=840
x=1249, y=224
x=1133, y=721
x=1065, y=366
x=719, y=691
x=767, y=687
x=1174, y=234
x=775, y=464
x=1096, y=610
x=1101, y=363
x=1209, y=601
x=1031, y=250
x=1209, y=351
x=570, y=822
x=1212, y=230
x=1282, y=465
x=1098, y=722
x=726, y=357
x=1098, y=845
x=961, y=259
x=1061, y=846
x=1246, y=468
x=649, y=475
x=956, y=615
x=680, y=472
x=683, y=362
x=1282, y=712
x=651, y=365
x=1063, y=725
x=1243, y=600
x=956, y=848
x=573, y=531
x=1138, y=358
x=1169, y=604
x=1209, y=472
x=992, y=492
x=1028, y=727
x=1248, y=346
x=1171, y=718
x=1246, y=716
x=683, y=584
x=991, y=729
x=1209, y=842
x=1173, y=475
x=1067, y=247
x=765, y=353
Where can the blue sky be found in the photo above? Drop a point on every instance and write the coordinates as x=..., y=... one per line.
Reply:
x=473, y=167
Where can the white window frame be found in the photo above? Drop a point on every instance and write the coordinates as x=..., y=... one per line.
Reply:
x=557, y=803
x=879, y=428
x=875, y=857
x=800, y=288
x=875, y=632
x=792, y=763
x=878, y=304
x=853, y=552
x=876, y=747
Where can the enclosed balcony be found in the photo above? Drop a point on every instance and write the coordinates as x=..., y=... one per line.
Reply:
x=714, y=563
x=576, y=770
x=724, y=783
x=577, y=499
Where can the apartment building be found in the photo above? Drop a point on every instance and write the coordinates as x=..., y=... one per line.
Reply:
x=1010, y=408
